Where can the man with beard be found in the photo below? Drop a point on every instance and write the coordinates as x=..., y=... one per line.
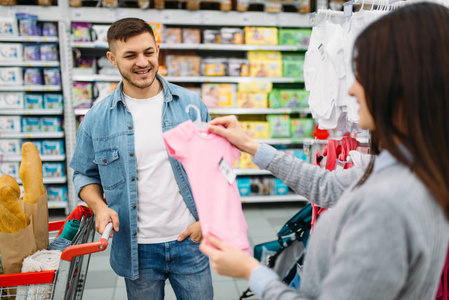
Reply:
x=120, y=154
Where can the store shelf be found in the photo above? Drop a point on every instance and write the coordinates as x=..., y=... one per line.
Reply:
x=56, y=204
x=80, y=111
x=34, y=112
x=264, y=199
x=193, y=79
x=56, y=180
x=31, y=135
x=29, y=64
x=211, y=47
x=257, y=111
x=243, y=172
x=190, y=17
x=38, y=39
x=18, y=158
x=281, y=141
x=309, y=141
x=30, y=88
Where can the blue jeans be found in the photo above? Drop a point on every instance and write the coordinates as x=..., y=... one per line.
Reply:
x=182, y=263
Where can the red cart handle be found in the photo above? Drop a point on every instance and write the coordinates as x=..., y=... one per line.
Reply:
x=77, y=250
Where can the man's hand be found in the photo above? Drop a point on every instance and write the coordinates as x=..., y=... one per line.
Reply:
x=103, y=217
x=194, y=231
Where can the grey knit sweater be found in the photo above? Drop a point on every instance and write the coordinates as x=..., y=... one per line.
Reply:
x=386, y=239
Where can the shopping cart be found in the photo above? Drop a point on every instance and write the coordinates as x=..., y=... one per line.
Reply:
x=67, y=282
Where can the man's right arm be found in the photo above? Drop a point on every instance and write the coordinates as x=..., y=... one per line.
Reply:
x=92, y=194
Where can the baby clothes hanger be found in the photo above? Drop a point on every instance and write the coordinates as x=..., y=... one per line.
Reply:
x=197, y=122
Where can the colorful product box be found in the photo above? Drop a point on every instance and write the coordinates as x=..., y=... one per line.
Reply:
x=261, y=35
x=232, y=36
x=53, y=101
x=279, y=126
x=183, y=65
x=255, y=87
x=34, y=101
x=265, y=68
x=11, y=169
x=10, y=147
x=244, y=186
x=53, y=170
x=51, y=147
x=213, y=67
x=10, y=124
x=246, y=162
x=261, y=185
x=302, y=128
x=256, y=130
x=11, y=100
x=294, y=68
x=294, y=98
x=280, y=188
x=31, y=124
x=173, y=35
x=274, y=99
x=295, y=37
x=219, y=94
x=11, y=52
x=57, y=193
x=157, y=30
x=11, y=76
x=51, y=124
x=191, y=35
x=238, y=67
x=251, y=100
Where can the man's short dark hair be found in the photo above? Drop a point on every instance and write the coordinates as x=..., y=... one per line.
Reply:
x=125, y=28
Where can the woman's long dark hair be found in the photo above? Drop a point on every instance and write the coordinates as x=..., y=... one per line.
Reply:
x=402, y=62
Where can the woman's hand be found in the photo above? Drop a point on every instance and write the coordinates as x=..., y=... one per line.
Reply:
x=233, y=133
x=227, y=260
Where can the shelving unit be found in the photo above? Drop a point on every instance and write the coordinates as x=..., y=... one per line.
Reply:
x=18, y=158
x=30, y=88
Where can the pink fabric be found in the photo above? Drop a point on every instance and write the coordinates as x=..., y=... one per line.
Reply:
x=443, y=293
x=217, y=201
x=332, y=150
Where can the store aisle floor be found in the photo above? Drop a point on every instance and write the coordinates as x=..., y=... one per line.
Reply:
x=264, y=221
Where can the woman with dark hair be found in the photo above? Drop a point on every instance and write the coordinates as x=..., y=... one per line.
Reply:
x=387, y=234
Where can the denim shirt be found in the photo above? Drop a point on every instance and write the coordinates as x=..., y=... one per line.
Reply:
x=104, y=155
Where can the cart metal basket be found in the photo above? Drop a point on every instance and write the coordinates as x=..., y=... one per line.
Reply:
x=68, y=281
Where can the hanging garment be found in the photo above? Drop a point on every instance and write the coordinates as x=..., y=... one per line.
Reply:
x=207, y=160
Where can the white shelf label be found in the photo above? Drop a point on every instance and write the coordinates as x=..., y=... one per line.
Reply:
x=245, y=19
x=77, y=14
x=167, y=17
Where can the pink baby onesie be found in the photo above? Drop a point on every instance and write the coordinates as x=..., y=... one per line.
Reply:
x=217, y=201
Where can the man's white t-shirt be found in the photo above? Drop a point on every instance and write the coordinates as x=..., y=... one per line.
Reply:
x=161, y=211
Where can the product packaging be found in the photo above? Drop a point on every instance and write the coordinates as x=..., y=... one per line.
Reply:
x=33, y=76
x=53, y=170
x=246, y=161
x=211, y=36
x=28, y=24
x=103, y=89
x=11, y=52
x=157, y=30
x=49, y=29
x=99, y=34
x=256, y=130
x=31, y=124
x=11, y=76
x=53, y=101
x=302, y=127
x=279, y=188
x=49, y=52
x=36, y=143
x=10, y=123
x=53, y=147
x=51, y=124
x=173, y=35
x=10, y=168
x=34, y=101
x=57, y=193
x=279, y=126
x=261, y=185
x=265, y=63
x=255, y=87
x=31, y=52
x=293, y=66
x=251, y=100
x=82, y=95
x=295, y=37
x=261, y=36
x=11, y=147
x=219, y=94
x=274, y=99
x=214, y=66
x=81, y=32
x=294, y=98
x=244, y=186
x=183, y=65
x=191, y=35
x=52, y=76
x=8, y=27
x=11, y=100
x=238, y=67
x=232, y=36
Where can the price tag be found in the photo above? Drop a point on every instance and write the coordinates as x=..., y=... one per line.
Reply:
x=167, y=17
x=245, y=19
x=347, y=9
x=77, y=14
x=227, y=171
x=312, y=18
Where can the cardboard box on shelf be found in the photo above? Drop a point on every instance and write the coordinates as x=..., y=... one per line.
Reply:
x=255, y=87
x=251, y=100
x=279, y=126
x=302, y=127
x=183, y=65
x=219, y=94
x=245, y=161
x=214, y=67
x=295, y=37
x=232, y=36
x=256, y=130
x=238, y=67
x=10, y=124
x=244, y=186
x=157, y=30
x=172, y=35
x=191, y=35
x=293, y=65
x=265, y=68
x=261, y=35
x=11, y=100
x=293, y=98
